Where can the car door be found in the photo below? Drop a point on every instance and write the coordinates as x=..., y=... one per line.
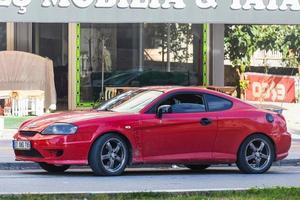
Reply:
x=231, y=125
x=187, y=134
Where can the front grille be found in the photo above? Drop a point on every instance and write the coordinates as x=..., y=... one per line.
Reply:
x=30, y=153
x=28, y=133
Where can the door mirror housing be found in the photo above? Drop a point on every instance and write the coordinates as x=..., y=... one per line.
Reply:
x=162, y=110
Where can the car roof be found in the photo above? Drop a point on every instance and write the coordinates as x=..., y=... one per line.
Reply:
x=161, y=88
x=167, y=89
x=181, y=88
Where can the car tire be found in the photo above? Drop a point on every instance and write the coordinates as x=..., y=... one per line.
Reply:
x=54, y=168
x=109, y=155
x=256, y=154
x=197, y=167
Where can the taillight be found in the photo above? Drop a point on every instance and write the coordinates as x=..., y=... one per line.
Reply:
x=283, y=121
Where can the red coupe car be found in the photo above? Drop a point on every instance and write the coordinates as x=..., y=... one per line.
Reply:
x=175, y=125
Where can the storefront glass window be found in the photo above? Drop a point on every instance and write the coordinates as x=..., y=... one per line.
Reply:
x=171, y=53
x=2, y=36
x=135, y=55
x=113, y=45
x=51, y=40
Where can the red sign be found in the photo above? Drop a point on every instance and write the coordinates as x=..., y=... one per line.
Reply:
x=274, y=88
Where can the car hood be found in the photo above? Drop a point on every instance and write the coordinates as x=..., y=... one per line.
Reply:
x=40, y=123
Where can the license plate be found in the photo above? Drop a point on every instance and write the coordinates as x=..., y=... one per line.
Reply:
x=21, y=145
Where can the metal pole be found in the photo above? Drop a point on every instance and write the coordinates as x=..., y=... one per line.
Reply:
x=168, y=47
x=141, y=50
x=102, y=71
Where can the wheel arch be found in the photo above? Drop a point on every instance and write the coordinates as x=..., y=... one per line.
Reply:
x=126, y=139
x=258, y=133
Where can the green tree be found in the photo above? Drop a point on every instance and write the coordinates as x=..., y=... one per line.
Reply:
x=240, y=45
x=181, y=37
x=291, y=45
x=241, y=41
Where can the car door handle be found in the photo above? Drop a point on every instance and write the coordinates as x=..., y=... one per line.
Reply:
x=205, y=121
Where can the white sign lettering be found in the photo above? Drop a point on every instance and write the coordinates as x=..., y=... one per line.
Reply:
x=236, y=5
x=179, y=4
x=105, y=3
x=154, y=4
x=139, y=3
x=61, y=3
x=258, y=5
x=207, y=4
x=271, y=5
x=83, y=3
x=5, y=3
x=269, y=91
x=22, y=4
x=294, y=5
x=123, y=4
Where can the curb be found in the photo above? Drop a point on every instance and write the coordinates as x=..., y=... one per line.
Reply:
x=287, y=162
x=31, y=166
x=18, y=166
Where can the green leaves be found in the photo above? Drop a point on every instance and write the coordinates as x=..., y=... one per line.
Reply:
x=239, y=45
x=181, y=38
x=241, y=41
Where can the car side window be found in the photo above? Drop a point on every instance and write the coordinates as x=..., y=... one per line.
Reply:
x=215, y=103
x=186, y=103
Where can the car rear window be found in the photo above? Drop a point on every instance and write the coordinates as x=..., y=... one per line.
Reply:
x=215, y=103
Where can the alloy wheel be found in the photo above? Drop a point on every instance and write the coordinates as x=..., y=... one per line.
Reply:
x=258, y=154
x=113, y=155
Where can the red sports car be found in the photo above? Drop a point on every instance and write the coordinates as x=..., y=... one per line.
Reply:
x=160, y=125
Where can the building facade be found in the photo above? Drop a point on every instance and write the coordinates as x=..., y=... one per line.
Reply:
x=131, y=54
x=131, y=43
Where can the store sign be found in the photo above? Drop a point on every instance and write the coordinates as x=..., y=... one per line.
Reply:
x=270, y=88
x=190, y=11
x=154, y=4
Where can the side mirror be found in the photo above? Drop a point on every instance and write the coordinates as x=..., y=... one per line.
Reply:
x=162, y=110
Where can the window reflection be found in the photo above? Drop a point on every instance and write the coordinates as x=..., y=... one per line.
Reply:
x=131, y=101
x=2, y=36
x=136, y=55
x=2, y=48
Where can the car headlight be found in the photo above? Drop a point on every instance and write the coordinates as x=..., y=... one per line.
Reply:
x=60, y=129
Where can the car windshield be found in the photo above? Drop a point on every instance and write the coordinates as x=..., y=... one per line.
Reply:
x=131, y=101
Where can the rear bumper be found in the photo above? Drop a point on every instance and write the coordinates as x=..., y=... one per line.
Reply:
x=283, y=145
x=54, y=149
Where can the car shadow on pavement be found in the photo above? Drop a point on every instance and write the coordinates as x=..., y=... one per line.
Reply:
x=148, y=172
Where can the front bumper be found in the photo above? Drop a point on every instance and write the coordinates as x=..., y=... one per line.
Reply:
x=54, y=149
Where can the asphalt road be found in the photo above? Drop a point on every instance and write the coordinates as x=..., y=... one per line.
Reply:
x=142, y=180
x=6, y=151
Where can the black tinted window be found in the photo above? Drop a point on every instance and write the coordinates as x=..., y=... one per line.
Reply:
x=188, y=108
x=217, y=103
x=186, y=103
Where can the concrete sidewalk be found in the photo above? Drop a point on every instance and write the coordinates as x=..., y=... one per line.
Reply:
x=7, y=134
x=291, y=113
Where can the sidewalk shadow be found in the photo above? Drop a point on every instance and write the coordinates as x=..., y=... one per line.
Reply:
x=149, y=172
